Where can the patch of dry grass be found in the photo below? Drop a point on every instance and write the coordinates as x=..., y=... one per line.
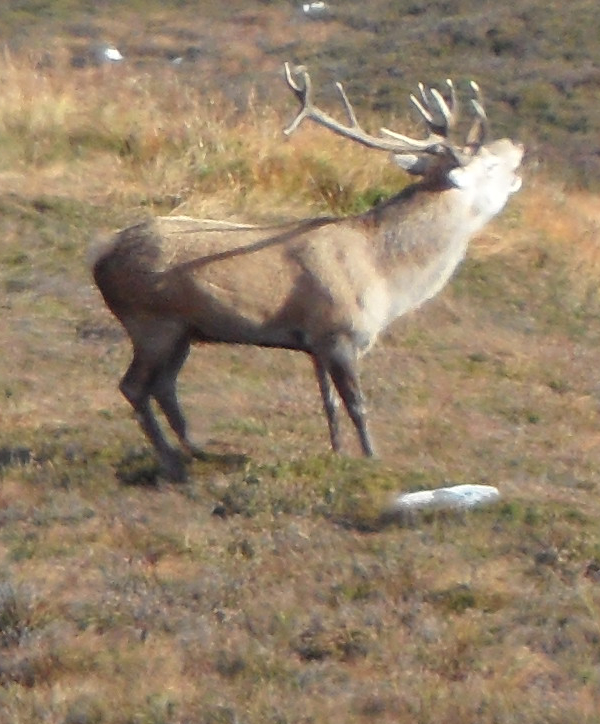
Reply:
x=159, y=140
x=267, y=589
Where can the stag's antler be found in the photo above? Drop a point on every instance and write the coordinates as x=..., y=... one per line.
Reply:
x=476, y=135
x=439, y=115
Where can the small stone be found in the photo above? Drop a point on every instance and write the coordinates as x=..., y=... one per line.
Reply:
x=456, y=497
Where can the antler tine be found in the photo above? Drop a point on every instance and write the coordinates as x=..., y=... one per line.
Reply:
x=453, y=97
x=434, y=143
x=298, y=89
x=347, y=105
x=444, y=111
x=421, y=107
x=439, y=114
x=479, y=127
x=478, y=94
x=303, y=93
x=449, y=110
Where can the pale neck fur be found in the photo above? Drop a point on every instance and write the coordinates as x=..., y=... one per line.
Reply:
x=421, y=245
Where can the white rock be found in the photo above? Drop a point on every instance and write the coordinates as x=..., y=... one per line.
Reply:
x=453, y=497
x=315, y=9
x=108, y=53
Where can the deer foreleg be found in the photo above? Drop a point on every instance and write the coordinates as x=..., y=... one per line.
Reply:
x=330, y=403
x=344, y=373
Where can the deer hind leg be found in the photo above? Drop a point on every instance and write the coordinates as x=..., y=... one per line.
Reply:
x=150, y=360
x=342, y=367
x=164, y=391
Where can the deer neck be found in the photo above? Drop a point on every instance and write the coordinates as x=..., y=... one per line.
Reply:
x=421, y=237
x=423, y=227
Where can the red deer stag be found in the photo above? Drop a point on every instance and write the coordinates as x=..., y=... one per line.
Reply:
x=324, y=286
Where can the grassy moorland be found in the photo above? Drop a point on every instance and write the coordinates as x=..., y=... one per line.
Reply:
x=538, y=63
x=268, y=589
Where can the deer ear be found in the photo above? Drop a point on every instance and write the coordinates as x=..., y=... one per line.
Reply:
x=412, y=164
x=460, y=177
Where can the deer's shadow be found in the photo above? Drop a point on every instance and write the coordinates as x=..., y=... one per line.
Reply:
x=139, y=467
